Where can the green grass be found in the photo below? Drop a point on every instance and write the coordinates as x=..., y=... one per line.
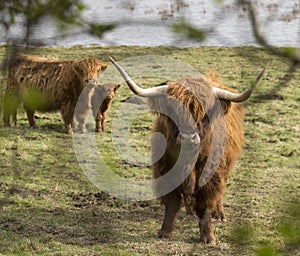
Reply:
x=49, y=207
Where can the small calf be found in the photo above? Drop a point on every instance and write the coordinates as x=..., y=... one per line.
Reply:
x=105, y=94
x=97, y=97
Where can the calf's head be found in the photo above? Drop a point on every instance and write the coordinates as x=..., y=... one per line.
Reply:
x=103, y=95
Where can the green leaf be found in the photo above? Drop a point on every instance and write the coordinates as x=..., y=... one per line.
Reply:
x=290, y=52
x=189, y=31
x=99, y=29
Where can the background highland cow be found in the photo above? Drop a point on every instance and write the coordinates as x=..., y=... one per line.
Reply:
x=47, y=85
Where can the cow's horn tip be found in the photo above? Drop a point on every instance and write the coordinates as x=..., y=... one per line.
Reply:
x=264, y=69
x=266, y=66
x=111, y=59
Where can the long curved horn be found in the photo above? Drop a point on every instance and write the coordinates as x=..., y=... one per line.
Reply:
x=235, y=97
x=149, y=92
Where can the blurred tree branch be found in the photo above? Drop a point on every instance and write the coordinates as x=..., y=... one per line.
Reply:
x=289, y=53
x=66, y=13
x=29, y=13
x=189, y=31
x=199, y=35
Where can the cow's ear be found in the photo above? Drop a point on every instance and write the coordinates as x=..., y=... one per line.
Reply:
x=116, y=87
x=226, y=105
x=103, y=67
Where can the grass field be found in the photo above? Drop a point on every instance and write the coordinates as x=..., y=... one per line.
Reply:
x=48, y=206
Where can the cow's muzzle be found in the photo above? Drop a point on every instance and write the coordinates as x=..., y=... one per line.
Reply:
x=188, y=138
x=91, y=81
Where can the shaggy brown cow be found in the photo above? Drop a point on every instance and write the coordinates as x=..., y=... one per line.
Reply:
x=189, y=117
x=98, y=98
x=47, y=85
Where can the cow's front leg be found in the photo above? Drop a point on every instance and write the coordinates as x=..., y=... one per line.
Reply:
x=103, y=121
x=14, y=115
x=172, y=202
x=75, y=122
x=218, y=212
x=30, y=116
x=205, y=225
x=81, y=123
x=67, y=115
x=99, y=121
x=82, y=126
x=68, y=127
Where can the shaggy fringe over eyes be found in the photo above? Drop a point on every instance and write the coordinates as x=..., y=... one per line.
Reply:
x=194, y=94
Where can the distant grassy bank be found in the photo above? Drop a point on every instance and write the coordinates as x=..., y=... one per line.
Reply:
x=49, y=207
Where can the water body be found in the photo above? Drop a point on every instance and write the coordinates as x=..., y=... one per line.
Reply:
x=148, y=23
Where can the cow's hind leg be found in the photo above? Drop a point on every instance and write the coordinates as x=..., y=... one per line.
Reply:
x=6, y=117
x=172, y=202
x=11, y=102
x=6, y=112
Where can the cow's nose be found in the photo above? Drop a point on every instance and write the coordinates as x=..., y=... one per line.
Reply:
x=195, y=138
x=91, y=81
x=188, y=138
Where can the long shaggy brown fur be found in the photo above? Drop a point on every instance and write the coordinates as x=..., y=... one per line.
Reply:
x=197, y=96
x=47, y=85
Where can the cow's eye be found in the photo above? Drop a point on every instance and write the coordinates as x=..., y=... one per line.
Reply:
x=205, y=120
x=175, y=131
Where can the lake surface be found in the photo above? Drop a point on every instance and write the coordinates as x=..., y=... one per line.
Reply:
x=148, y=23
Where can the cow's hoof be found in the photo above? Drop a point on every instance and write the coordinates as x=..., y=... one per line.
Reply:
x=164, y=235
x=69, y=132
x=219, y=215
x=34, y=126
x=208, y=239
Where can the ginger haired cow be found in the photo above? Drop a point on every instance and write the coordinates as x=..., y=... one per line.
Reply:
x=46, y=85
x=194, y=115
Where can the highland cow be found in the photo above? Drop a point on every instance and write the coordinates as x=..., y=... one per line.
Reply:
x=98, y=98
x=207, y=102
x=47, y=85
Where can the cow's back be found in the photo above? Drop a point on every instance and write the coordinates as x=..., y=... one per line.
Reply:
x=52, y=77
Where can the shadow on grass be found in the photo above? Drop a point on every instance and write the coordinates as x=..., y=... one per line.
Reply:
x=85, y=220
